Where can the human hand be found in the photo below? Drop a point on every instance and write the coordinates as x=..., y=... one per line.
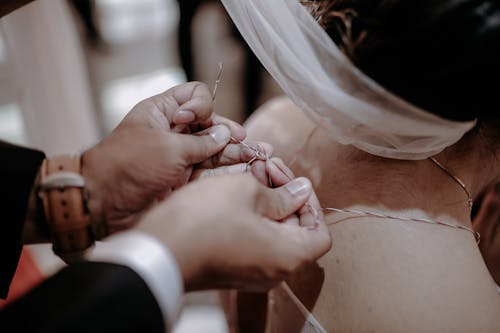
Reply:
x=224, y=231
x=487, y=223
x=236, y=159
x=144, y=159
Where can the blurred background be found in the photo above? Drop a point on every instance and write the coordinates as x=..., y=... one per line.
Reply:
x=71, y=69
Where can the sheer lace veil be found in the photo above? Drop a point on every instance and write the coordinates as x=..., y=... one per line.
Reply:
x=323, y=82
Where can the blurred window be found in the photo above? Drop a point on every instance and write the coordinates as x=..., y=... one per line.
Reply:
x=11, y=123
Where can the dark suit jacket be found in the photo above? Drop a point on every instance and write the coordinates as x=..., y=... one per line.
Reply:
x=18, y=169
x=86, y=297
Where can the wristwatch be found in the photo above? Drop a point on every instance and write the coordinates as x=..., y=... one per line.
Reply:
x=61, y=191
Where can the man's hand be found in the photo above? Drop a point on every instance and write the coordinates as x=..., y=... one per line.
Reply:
x=233, y=232
x=145, y=158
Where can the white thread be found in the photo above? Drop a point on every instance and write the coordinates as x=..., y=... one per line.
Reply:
x=476, y=234
x=261, y=155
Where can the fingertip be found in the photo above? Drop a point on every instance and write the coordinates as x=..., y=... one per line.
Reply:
x=318, y=241
x=193, y=96
x=182, y=116
x=220, y=133
x=238, y=132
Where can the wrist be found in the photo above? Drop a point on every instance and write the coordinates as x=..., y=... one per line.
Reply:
x=171, y=228
x=93, y=195
x=61, y=190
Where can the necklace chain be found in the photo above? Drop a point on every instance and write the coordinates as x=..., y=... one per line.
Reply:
x=470, y=202
x=260, y=155
x=476, y=234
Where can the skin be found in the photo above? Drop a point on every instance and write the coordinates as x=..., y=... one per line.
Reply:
x=136, y=178
x=396, y=276
x=487, y=223
x=144, y=160
x=171, y=139
x=240, y=245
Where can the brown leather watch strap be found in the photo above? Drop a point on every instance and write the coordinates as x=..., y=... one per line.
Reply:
x=62, y=193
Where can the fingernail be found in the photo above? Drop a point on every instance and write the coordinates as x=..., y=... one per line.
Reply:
x=220, y=134
x=298, y=187
x=184, y=116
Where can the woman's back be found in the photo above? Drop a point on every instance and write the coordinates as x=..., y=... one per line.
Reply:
x=381, y=274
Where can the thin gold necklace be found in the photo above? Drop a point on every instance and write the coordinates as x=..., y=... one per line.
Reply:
x=476, y=234
x=456, y=179
x=260, y=155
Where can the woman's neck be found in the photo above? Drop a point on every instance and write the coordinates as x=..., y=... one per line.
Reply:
x=346, y=177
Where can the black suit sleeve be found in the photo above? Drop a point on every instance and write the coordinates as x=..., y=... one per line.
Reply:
x=18, y=169
x=86, y=297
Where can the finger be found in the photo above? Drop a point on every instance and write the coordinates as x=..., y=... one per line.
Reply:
x=295, y=246
x=270, y=174
x=203, y=145
x=238, y=132
x=305, y=244
x=259, y=171
x=279, y=173
x=195, y=103
x=221, y=171
x=291, y=220
x=237, y=153
x=311, y=214
x=283, y=201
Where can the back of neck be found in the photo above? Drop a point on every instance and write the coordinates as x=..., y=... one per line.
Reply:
x=346, y=177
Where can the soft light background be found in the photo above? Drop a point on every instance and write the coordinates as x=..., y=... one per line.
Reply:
x=62, y=89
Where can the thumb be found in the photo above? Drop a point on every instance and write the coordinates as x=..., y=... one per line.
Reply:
x=203, y=145
x=307, y=244
x=278, y=203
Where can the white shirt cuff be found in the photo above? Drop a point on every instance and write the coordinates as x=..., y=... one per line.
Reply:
x=152, y=261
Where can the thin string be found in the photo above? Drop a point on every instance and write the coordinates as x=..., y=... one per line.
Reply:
x=476, y=234
x=260, y=154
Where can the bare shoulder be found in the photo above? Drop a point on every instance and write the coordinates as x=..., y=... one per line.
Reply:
x=392, y=276
x=281, y=123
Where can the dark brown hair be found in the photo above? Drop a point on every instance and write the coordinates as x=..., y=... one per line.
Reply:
x=441, y=55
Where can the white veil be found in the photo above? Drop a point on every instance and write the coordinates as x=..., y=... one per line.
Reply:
x=322, y=82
